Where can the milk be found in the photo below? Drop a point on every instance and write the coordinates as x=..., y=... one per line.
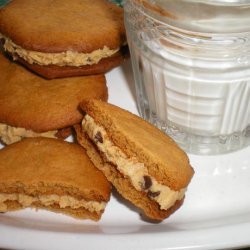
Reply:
x=194, y=86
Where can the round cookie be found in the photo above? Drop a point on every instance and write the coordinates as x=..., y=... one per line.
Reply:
x=31, y=105
x=64, y=38
x=145, y=165
x=53, y=175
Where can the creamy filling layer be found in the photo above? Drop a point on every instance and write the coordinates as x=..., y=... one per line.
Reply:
x=67, y=58
x=130, y=168
x=48, y=200
x=10, y=134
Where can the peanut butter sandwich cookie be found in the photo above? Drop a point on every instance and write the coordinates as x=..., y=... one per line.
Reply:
x=54, y=175
x=32, y=106
x=144, y=165
x=62, y=38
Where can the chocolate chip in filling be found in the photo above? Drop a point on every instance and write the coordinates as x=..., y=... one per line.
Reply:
x=98, y=137
x=147, y=182
x=153, y=194
x=2, y=41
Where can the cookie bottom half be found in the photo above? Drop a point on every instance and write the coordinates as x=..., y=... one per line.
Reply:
x=54, y=71
x=79, y=213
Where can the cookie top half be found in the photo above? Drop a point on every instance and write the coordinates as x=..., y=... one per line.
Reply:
x=61, y=25
x=162, y=157
x=31, y=102
x=51, y=166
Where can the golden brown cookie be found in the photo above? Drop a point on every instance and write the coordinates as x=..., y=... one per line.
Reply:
x=146, y=166
x=53, y=175
x=33, y=106
x=62, y=38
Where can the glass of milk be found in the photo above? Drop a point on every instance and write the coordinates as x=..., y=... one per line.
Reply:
x=191, y=64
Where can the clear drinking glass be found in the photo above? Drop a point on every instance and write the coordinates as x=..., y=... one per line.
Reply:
x=191, y=64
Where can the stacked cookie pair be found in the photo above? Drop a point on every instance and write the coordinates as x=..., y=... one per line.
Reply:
x=75, y=38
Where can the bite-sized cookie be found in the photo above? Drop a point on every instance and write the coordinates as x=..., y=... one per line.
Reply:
x=54, y=175
x=32, y=106
x=145, y=165
x=63, y=38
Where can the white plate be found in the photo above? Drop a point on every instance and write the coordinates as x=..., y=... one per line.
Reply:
x=215, y=214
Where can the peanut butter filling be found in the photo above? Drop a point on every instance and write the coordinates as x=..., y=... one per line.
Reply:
x=67, y=58
x=10, y=134
x=48, y=200
x=135, y=171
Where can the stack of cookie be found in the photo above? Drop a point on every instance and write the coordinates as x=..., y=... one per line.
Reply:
x=73, y=41
x=62, y=50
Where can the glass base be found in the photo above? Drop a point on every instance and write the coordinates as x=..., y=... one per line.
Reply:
x=205, y=145
x=199, y=144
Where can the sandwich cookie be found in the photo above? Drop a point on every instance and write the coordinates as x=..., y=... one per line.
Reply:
x=54, y=175
x=32, y=106
x=62, y=38
x=144, y=165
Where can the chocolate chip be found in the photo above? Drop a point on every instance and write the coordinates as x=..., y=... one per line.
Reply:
x=89, y=60
x=153, y=194
x=2, y=41
x=98, y=137
x=147, y=182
